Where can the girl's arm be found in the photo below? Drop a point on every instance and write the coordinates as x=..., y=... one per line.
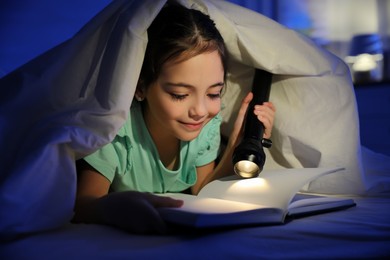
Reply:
x=207, y=173
x=132, y=211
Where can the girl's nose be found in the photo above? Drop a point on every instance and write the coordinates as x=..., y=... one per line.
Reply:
x=198, y=109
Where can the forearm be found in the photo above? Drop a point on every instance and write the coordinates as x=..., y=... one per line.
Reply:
x=222, y=169
x=225, y=165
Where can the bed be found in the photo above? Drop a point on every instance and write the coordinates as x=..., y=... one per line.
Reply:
x=70, y=109
x=362, y=232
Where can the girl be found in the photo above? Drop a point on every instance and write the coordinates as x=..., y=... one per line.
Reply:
x=171, y=139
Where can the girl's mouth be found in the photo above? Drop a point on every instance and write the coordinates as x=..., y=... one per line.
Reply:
x=193, y=126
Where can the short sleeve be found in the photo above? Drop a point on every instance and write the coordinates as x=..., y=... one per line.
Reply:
x=209, y=142
x=111, y=159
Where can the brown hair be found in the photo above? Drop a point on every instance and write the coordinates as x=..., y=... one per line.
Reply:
x=178, y=33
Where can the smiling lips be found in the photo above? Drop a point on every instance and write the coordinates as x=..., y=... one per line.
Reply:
x=193, y=126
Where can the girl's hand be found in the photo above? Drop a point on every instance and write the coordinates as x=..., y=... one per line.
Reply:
x=132, y=211
x=236, y=135
x=266, y=114
x=135, y=211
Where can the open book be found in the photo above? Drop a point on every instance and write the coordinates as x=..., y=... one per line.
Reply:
x=267, y=199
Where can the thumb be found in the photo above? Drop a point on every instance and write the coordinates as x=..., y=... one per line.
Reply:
x=241, y=113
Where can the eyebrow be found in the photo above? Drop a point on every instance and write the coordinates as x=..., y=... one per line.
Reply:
x=180, y=84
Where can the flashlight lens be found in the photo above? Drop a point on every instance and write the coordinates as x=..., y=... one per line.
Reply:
x=246, y=169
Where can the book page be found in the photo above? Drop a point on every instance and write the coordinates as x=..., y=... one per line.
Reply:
x=210, y=212
x=273, y=188
x=319, y=204
x=196, y=204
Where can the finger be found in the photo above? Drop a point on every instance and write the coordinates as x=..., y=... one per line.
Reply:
x=270, y=105
x=131, y=211
x=244, y=105
x=266, y=114
x=266, y=110
x=267, y=126
x=163, y=201
x=266, y=118
x=242, y=112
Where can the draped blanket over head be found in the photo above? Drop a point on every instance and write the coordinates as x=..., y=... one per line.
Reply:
x=73, y=99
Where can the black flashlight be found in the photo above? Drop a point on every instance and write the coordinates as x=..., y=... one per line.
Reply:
x=249, y=156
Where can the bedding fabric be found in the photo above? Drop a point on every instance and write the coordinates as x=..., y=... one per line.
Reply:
x=73, y=99
x=361, y=232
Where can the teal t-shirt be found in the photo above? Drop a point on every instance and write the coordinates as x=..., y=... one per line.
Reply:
x=131, y=161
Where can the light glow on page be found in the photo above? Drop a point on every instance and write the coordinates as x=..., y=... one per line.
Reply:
x=254, y=183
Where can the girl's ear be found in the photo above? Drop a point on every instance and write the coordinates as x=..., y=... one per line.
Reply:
x=139, y=93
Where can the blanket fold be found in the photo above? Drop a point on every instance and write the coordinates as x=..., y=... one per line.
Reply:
x=72, y=100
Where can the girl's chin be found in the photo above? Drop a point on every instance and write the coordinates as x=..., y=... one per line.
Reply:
x=188, y=136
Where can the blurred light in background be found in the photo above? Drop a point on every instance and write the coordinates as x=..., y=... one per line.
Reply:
x=365, y=58
x=337, y=25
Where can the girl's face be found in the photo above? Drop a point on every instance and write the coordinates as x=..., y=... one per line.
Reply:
x=185, y=97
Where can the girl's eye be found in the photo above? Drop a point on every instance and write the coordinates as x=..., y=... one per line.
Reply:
x=214, y=96
x=178, y=97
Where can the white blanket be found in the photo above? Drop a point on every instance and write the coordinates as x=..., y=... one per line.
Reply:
x=72, y=100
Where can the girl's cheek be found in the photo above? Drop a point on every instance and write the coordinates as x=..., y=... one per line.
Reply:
x=215, y=109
